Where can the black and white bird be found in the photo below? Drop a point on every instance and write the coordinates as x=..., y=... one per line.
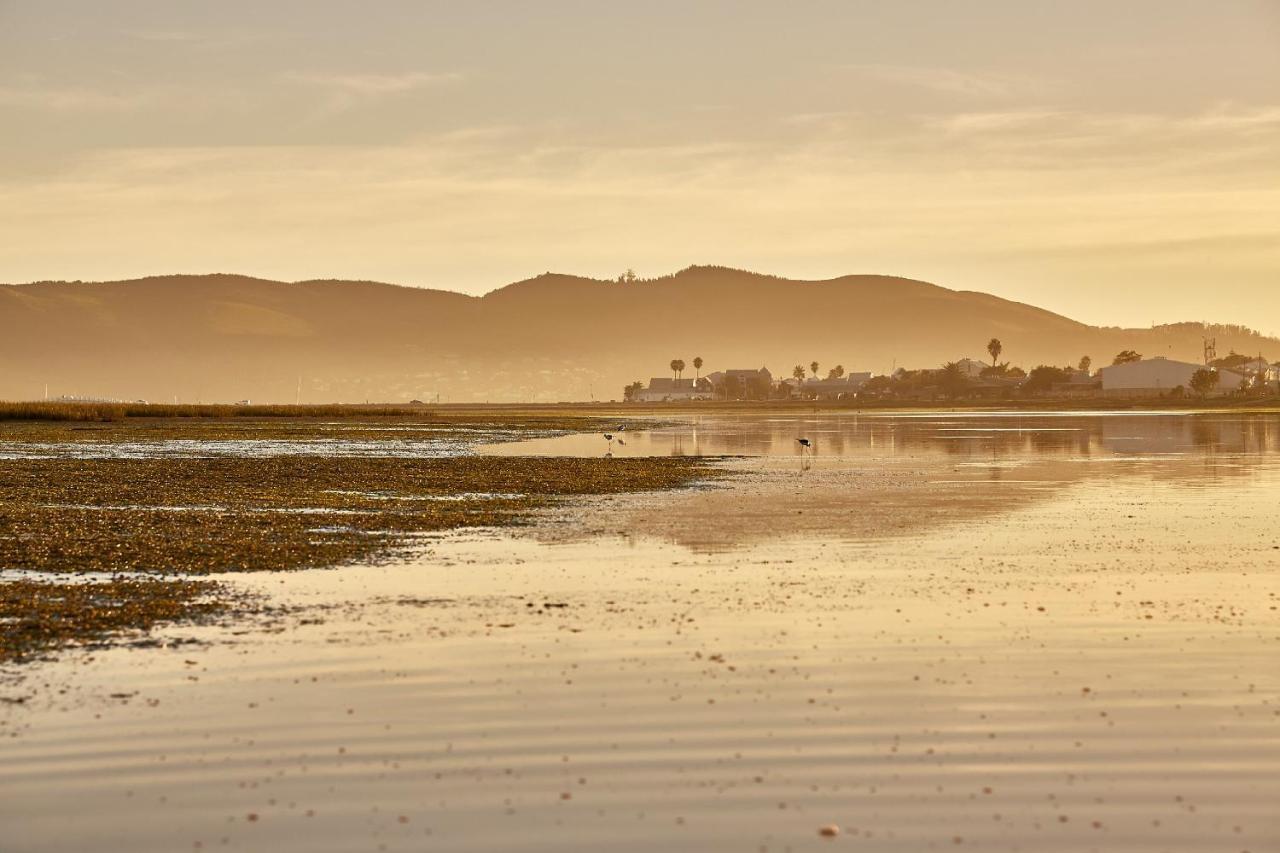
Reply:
x=609, y=437
x=805, y=444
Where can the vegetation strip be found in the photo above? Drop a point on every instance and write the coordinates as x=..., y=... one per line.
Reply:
x=38, y=615
x=169, y=518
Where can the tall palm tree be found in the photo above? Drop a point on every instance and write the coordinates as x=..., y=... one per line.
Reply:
x=697, y=366
x=675, y=368
x=813, y=368
x=994, y=347
x=798, y=372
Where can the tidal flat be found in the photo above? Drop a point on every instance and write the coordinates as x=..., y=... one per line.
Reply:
x=938, y=630
x=143, y=505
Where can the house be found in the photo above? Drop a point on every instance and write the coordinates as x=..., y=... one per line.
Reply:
x=972, y=368
x=830, y=388
x=1079, y=384
x=1155, y=377
x=664, y=389
x=742, y=384
x=1259, y=368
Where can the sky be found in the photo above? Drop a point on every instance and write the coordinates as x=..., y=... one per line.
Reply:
x=1118, y=162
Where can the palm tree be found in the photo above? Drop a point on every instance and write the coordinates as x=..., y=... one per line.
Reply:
x=813, y=368
x=697, y=366
x=952, y=379
x=994, y=347
x=798, y=372
x=836, y=372
x=675, y=368
x=680, y=366
x=1085, y=364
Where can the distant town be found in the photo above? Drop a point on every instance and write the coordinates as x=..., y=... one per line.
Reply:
x=1129, y=375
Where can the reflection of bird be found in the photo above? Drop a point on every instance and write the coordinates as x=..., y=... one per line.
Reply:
x=622, y=428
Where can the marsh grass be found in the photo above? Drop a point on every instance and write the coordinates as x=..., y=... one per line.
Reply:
x=38, y=615
x=197, y=515
x=75, y=411
x=151, y=523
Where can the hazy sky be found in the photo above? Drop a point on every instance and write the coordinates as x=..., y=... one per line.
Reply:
x=1116, y=161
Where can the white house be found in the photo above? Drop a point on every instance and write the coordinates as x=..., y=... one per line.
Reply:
x=1153, y=377
x=663, y=389
x=971, y=367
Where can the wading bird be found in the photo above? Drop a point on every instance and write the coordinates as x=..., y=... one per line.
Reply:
x=805, y=444
x=609, y=437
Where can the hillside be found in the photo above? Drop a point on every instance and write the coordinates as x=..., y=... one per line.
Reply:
x=553, y=337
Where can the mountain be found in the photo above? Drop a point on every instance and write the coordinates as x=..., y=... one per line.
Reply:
x=553, y=337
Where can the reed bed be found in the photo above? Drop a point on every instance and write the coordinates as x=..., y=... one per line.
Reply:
x=88, y=411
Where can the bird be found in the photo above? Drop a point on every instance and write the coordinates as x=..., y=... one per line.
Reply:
x=805, y=444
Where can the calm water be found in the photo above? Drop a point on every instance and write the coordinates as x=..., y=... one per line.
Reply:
x=937, y=632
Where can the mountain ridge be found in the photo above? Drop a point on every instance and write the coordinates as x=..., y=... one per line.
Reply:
x=555, y=336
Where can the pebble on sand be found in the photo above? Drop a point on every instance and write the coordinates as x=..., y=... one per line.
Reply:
x=829, y=831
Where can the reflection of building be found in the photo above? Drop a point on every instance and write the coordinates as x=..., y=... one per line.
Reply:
x=663, y=389
x=1153, y=377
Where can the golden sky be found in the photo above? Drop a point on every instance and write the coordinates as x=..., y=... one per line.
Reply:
x=1115, y=161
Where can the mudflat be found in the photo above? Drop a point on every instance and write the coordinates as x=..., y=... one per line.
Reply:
x=994, y=631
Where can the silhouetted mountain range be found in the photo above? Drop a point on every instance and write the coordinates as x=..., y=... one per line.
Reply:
x=553, y=337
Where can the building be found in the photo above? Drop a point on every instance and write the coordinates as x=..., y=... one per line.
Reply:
x=972, y=368
x=1155, y=377
x=829, y=389
x=742, y=384
x=664, y=389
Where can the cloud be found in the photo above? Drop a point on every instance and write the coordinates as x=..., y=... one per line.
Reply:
x=949, y=80
x=68, y=99
x=175, y=36
x=374, y=85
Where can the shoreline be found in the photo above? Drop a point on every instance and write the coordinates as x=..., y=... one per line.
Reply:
x=570, y=416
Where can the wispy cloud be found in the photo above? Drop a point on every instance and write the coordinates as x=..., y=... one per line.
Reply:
x=179, y=36
x=373, y=85
x=70, y=99
x=949, y=80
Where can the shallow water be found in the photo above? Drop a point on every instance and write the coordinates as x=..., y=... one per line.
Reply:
x=999, y=633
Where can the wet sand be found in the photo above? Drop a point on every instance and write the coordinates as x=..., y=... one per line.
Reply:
x=936, y=633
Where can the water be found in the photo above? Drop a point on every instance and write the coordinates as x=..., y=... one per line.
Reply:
x=942, y=632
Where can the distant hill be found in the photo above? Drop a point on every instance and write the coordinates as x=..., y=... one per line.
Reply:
x=553, y=337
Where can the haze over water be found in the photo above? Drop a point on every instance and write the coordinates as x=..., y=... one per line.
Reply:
x=939, y=631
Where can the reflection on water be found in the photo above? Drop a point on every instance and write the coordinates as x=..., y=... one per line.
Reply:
x=985, y=434
x=941, y=632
